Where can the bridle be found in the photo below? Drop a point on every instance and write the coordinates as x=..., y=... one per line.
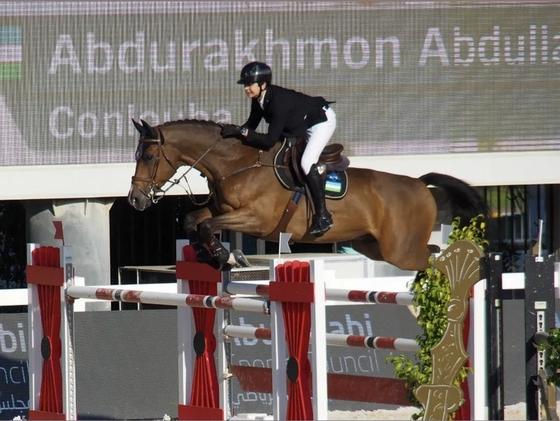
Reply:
x=155, y=193
x=154, y=190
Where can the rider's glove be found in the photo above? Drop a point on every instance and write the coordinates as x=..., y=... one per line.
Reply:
x=230, y=130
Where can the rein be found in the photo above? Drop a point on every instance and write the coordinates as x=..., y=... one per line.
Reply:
x=176, y=181
x=257, y=164
x=155, y=193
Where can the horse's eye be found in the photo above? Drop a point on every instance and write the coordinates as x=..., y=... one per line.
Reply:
x=148, y=157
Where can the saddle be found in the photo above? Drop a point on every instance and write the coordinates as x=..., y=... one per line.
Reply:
x=333, y=164
x=287, y=167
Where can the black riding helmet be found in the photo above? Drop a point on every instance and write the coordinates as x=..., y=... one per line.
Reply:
x=255, y=72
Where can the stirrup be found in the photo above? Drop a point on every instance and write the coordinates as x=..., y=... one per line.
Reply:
x=321, y=225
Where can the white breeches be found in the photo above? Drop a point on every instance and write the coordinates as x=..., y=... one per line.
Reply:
x=317, y=138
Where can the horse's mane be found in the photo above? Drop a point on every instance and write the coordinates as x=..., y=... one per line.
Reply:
x=191, y=121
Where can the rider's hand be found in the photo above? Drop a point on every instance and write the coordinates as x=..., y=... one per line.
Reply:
x=230, y=130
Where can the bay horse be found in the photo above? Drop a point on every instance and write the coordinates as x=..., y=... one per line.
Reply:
x=385, y=216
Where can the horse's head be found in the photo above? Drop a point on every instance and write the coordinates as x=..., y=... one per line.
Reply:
x=153, y=167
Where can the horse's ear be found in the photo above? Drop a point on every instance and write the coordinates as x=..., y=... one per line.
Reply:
x=150, y=131
x=139, y=127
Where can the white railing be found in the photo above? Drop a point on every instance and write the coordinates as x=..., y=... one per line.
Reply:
x=18, y=296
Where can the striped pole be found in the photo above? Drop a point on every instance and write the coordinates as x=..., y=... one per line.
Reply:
x=375, y=297
x=165, y=298
x=355, y=296
x=248, y=288
x=333, y=339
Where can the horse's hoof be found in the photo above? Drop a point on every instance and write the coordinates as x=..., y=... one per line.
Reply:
x=226, y=268
x=434, y=249
x=239, y=259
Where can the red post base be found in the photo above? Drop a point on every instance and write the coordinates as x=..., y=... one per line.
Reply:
x=190, y=412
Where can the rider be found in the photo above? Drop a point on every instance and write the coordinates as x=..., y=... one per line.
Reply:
x=288, y=114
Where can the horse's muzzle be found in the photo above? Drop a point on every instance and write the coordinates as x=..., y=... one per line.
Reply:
x=138, y=199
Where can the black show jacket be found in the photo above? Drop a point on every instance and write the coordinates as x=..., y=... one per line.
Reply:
x=288, y=113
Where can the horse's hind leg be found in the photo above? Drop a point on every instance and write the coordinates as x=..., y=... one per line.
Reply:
x=403, y=254
x=368, y=246
x=407, y=252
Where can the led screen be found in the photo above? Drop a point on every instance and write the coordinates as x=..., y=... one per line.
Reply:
x=407, y=78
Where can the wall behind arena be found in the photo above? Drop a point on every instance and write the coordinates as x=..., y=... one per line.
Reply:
x=463, y=85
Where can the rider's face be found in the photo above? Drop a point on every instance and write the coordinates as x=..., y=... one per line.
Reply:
x=253, y=90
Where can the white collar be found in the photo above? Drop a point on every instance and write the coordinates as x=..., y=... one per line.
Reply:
x=261, y=100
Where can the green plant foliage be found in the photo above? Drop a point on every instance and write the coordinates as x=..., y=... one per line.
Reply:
x=431, y=297
x=552, y=356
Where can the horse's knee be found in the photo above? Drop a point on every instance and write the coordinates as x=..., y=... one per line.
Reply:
x=206, y=232
x=189, y=225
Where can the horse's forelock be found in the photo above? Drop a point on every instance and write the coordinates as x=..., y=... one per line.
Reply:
x=139, y=151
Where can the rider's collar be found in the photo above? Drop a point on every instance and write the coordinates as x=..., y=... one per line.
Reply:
x=261, y=99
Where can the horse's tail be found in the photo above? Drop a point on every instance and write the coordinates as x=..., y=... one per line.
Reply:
x=465, y=201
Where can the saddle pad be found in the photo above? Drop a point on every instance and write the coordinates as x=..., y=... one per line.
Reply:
x=336, y=185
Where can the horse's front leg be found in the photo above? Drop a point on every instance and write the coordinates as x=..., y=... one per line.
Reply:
x=193, y=219
x=190, y=226
x=238, y=221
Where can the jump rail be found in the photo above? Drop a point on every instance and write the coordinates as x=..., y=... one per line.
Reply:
x=334, y=294
x=333, y=339
x=296, y=304
x=169, y=299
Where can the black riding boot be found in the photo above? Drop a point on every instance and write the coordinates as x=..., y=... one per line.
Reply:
x=322, y=220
